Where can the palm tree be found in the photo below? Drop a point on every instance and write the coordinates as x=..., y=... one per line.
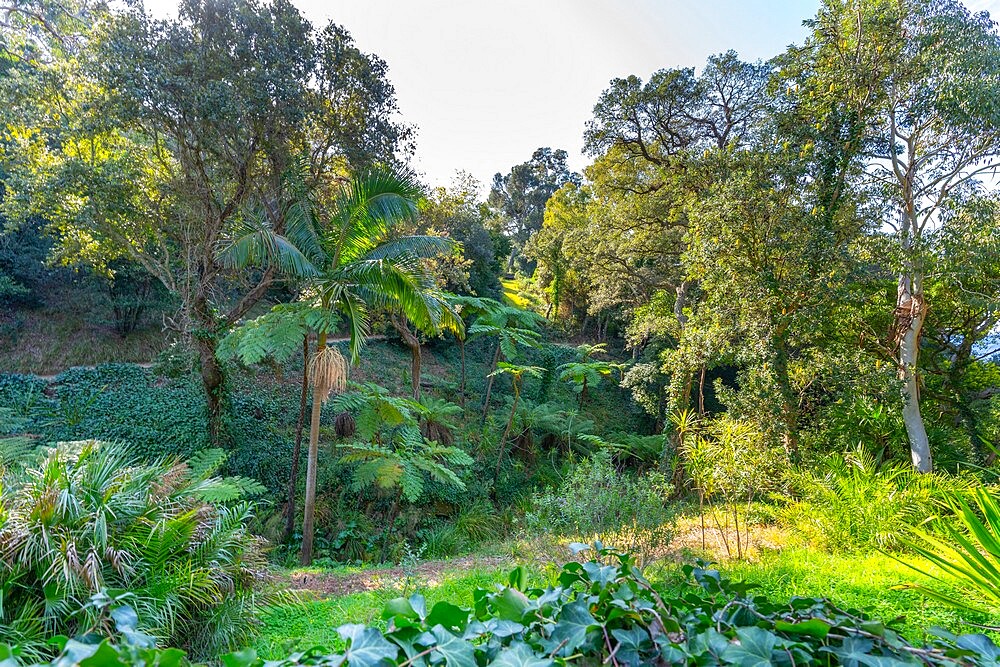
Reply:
x=349, y=252
x=516, y=374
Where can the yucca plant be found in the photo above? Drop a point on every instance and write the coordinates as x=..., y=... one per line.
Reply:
x=967, y=547
x=92, y=518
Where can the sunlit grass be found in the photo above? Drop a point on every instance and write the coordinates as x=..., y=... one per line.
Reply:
x=315, y=622
x=874, y=583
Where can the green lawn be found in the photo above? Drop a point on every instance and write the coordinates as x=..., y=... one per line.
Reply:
x=874, y=583
x=315, y=622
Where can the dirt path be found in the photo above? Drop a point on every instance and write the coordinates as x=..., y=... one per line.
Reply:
x=430, y=572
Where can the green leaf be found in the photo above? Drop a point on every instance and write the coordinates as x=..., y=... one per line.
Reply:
x=367, y=646
x=520, y=655
x=448, y=616
x=511, y=605
x=814, y=627
x=244, y=658
x=456, y=651
x=572, y=626
x=754, y=649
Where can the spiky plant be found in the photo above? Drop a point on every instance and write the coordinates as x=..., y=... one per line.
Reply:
x=92, y=518
x=967, y=546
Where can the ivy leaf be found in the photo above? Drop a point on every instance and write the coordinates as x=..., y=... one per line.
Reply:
x=511, y=605
x=570, y=632
x=520, y=655
x=754, y=649
x=814, y=627
x=853, y=651
x=630, y=643
x=449, y=616
x=367, y=646
x=456, y=651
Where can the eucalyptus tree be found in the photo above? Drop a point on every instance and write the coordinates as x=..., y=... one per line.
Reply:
x=925, y=77
x=521, y=194
x=155, y=141
x=648, y=139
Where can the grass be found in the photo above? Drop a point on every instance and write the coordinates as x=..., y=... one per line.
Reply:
x=876, y=583
x=314, y=622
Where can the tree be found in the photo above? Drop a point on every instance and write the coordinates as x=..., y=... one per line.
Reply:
x=932, y=126
x=520, y=195
x=513, y=328
x=458, y=213
x=164, y=135
x=555, y=247
x=587, y=372
x=516, y=374
x=355, y=261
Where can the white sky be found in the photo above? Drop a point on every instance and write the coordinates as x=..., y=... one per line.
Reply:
x=487, y=82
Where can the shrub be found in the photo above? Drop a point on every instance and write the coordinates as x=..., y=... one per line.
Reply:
x=968, y=547
x=853, y=503
x=598, y=499
x=92, y=519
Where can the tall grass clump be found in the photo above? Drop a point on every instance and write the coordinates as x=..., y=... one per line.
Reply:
x=167, y=537
x=856, y=503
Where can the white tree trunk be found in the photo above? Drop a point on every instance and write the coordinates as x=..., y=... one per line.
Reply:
x=911, y=311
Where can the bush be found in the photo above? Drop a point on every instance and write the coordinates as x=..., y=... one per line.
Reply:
x=854, y=504
x=92, y=520
x=598, y=499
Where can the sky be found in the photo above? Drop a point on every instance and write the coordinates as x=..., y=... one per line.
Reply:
x=487, y=82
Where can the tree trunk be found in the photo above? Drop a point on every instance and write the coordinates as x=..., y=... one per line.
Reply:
x=506, y=432
x=312, y=462
x=212, y=375
x=789, y=405
x=461, y=348
x=413, y=343
x=911, y=311
x=297, y=448
x=489, y=383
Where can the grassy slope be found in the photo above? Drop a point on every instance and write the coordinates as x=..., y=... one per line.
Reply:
x=72, y=328
x=876, y=583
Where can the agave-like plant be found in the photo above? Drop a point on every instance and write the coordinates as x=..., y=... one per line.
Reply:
x=93, y=520
x=967, y=549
